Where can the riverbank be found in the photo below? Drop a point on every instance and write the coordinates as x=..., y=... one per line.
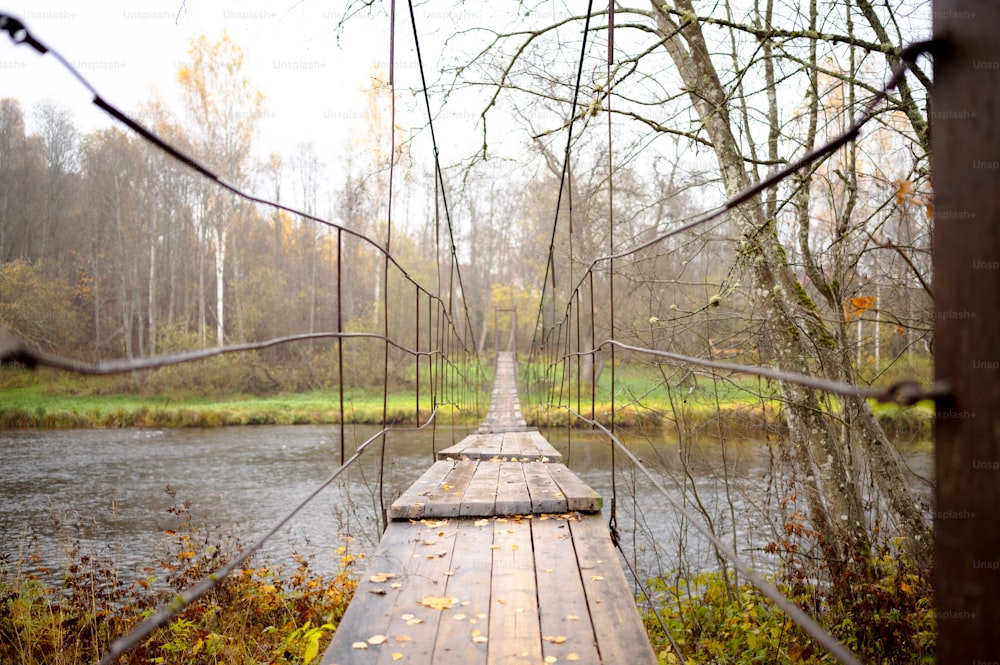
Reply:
x=46, y=399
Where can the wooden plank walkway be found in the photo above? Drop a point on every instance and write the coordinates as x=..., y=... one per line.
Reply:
x=497, y=555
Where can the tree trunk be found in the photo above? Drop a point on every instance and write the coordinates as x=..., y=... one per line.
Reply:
x=220, y=284
x=799, y=337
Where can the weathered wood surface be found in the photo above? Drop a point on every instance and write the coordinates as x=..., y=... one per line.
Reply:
x=503, y=446
x=498, y=591
x=491, y=561
x=504, y=414
x=467, y=488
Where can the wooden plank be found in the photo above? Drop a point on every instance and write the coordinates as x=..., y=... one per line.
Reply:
x=546, y=497
x=369, y=613
x=515, y=637
x=464, y=638
x=410, y=505
x=446, y=499
x=426, y=576
x=481, y=495
x=511, y=446
x=541, y=445
x=567, y=632
x=512, y=491
x=474, y=446
x=580, y=496
x=621, y=636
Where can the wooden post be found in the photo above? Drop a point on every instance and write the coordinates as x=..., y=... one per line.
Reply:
x=965, y=122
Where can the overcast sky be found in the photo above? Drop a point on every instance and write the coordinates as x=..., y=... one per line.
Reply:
x=312, y=76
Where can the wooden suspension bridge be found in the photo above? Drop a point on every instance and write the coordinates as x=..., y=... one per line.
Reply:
x=498, y=554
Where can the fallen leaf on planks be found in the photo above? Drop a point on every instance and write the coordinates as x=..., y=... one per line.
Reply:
x=403, y=638
x=381, y=577
x=478, y=637
x=555, y=639
x=359, y=645
x=434, y=524
x=437, y=602
x=375, y=640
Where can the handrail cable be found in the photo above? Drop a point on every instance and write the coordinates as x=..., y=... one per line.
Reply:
x=13, y=349
x=184, y=598
x=908, y=57
x=794, y=612
x=905, y=392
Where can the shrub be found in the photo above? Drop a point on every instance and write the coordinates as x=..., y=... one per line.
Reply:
x=259, y=614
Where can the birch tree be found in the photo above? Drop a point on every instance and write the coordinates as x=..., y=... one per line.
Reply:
x=224, y=109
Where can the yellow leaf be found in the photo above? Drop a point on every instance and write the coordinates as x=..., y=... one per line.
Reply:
x=381, y=577
x=312, y=648
x=359, y=645
x=555, y=639
x=377, y=639
x=903, y=189
x=397, y=656
x=437, y=602
x=862, y=304
x=572, y=655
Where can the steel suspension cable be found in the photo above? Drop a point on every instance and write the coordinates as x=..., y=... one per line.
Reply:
x=385, y=271
x=440, y=177
x=613, y=517
x=550, y=263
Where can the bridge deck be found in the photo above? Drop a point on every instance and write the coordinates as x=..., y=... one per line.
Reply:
x=494, y=560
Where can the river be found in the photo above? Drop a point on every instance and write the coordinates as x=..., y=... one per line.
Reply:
x=106, y=491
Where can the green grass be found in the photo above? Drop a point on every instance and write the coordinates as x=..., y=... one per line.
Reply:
x=740, y=406
x=229, y=393
x=49, y=399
